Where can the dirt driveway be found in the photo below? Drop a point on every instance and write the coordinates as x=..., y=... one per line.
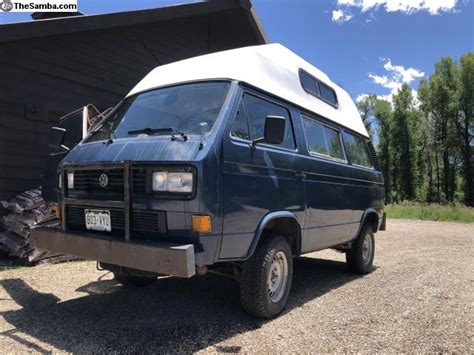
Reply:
x=419, y=298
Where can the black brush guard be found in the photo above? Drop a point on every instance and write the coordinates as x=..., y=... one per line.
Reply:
x=163, y=258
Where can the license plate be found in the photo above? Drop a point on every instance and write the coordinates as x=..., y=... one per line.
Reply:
x=98, y=220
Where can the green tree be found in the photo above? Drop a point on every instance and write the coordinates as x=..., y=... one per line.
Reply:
x=383, y=113
x=444, y=90
x=426, y=146
x=428, y=152
x=405, y=145
x=466, y=123
x=366, y=109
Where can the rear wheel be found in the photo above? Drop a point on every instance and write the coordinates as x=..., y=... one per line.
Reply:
x=360, y=257
x=133, y=281
x=266, y=278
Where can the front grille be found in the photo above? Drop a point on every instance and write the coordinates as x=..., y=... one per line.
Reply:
x=149, y=221
x=86, y=182
x=146, y=222
x=139, y=181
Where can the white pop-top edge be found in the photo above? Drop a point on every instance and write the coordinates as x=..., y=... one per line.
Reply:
x=270, y=67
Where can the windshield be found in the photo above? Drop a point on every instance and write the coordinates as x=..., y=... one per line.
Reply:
x=187, y=109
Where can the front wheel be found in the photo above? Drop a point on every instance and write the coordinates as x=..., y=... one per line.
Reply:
x=360, y=257
x=266, y=278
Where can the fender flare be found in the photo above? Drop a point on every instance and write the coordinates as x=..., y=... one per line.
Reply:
x=261, y=226
x=364, y=217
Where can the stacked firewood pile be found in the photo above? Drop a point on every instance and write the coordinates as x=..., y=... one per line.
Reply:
x=27, y=210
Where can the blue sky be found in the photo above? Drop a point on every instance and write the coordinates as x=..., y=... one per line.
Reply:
x=367, y=46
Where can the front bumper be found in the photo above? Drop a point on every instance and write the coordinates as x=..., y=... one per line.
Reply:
x=162, y=258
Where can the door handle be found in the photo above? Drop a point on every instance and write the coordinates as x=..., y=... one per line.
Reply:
x=300, y=175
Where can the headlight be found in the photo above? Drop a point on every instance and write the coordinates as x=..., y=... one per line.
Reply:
x=60, y=180
x=70, y=181
x=180, y=182
x=159, y=180
x=172, y=181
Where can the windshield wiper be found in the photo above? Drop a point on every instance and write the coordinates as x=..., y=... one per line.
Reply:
x=169, y=130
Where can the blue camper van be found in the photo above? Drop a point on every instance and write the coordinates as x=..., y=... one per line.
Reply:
x=232, y=162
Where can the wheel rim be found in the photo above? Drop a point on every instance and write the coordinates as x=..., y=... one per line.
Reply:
x=367, y=249
x=277, y=277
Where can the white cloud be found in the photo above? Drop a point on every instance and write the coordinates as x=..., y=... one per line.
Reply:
x=361, y=97
x=402, y=74
x=433, y=7
x=396, y=76
x=340, y=16
x=346, y=2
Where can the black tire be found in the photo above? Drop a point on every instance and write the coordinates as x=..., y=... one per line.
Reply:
x=255, y=277
x=357, y=258
x=133, y=281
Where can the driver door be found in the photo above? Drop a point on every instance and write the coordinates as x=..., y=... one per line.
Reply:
x=258, y=179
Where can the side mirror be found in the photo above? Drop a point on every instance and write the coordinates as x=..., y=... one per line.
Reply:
x=56, y=138
x=274, y=131
x=86, y=119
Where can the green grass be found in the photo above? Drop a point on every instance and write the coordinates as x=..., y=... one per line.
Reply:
x=431, y=212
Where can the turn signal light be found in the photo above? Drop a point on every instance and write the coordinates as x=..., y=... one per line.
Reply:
x=201, y=224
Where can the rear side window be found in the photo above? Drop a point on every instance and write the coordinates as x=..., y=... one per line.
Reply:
x=373, y=154
x=357, y=150
x=257, y=110
x=328, y=94
x=317, y=88
x=322, y=139
x=309, y=84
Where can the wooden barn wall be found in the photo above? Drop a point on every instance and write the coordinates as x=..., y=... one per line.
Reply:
x=44, y=78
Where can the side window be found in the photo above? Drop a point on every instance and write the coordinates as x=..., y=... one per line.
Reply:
x=309, y=84
x=328, y=94
x=357, y=150
x=317, y=88
x=322, y=139
x=258, y=109
x=240, y=127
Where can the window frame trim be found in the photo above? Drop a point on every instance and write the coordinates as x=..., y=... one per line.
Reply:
x=318, y=81
x=320, y=155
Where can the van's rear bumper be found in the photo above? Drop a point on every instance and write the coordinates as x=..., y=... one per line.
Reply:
x=163, y=258
x=383, y=222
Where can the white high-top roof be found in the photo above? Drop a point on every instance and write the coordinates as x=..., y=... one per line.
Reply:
x=270, y=67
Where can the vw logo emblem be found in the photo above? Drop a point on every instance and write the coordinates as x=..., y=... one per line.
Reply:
x=103, y=180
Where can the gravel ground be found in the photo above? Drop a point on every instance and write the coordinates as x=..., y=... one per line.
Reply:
x=418, y=299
